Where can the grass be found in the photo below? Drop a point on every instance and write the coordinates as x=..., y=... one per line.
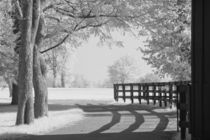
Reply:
x=40, y=126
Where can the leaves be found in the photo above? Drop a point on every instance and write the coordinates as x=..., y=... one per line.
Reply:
x=168, y=48
x=123, y=70
x=8, y=63
x=82, y=18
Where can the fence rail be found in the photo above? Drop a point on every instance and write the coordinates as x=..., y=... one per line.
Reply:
x=166, y=93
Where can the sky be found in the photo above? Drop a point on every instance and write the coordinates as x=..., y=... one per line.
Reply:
x=92, y=59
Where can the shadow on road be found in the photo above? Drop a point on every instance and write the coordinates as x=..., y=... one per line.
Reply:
x=135, y=110
x=99, y=110
x=107, y=136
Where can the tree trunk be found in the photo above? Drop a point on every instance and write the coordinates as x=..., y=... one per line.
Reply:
x=40, y=85
x=54, y=69
x=14, y=93
x=39, y=75
x=25, y=112
x=9, y=82
x=13, y=89
x=63, y=84
x=10, y=86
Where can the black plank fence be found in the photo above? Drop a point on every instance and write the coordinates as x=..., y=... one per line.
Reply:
x=162, y=93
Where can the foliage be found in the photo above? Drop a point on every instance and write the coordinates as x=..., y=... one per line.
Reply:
x=168, y=48
x=74, y=21
x=79, y=81
x=56, y=61
x=123, y=70
x=150, y=77
x=8, y=63
x=107, y=83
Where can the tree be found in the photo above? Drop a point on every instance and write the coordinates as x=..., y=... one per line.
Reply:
x=29, y=14
x=63, y=20
x=168, y=48
x=56, y=62
x=9, y=59
x=72, y=21
x=150, y=77
x=107, y=83
x=79, y=82
x=69, y=17
x=123, y=70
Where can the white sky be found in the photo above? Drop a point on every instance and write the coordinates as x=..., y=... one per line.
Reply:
x=92, y=60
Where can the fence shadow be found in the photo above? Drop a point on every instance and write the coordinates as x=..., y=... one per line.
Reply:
x=134, y=110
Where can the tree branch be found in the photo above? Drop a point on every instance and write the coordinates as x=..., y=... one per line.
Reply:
x=19, y=8
x=51, y=6
x=64, y=12
x=71, y=5
x=36, y=18
x=52, y=17
x=55, y=46
x=63, y=40
x=76, y=28
x=54, y=33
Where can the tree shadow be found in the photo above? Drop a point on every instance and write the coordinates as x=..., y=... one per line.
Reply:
x=107, y=136
x=54, y=105
x=8, y=108
x=136, y=111
x=133, y=110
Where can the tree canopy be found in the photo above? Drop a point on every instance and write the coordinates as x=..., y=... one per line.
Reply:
x=42, y=25
x=169, y=45
x=123, y=70
x=8, y=63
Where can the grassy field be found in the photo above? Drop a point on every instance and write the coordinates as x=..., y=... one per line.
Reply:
x=71, y=93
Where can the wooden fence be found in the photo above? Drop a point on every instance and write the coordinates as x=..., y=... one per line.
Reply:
x=163, y=94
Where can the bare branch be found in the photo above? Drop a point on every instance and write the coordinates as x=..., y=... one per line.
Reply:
x=64, y=39
x=91, y=25
x=64, y=12
x=55, y=46
x=71, y=5
x=52, y=17
x=76, y=28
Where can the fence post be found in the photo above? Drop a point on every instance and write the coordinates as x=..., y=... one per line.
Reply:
x=147, y=94
x=116, y=96
x=165, y=97
x=139, y=93
x=123, y=88
x=160, y=96
x=170, y=94
x=154, y=94
x=183, y=91
x=131, y=89
x=190, y=108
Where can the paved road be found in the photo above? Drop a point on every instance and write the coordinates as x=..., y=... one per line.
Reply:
x=113, y=121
